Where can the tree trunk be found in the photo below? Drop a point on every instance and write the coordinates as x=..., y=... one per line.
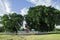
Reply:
x=16, y=33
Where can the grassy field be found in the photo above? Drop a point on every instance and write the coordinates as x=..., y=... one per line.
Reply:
x=30, y=37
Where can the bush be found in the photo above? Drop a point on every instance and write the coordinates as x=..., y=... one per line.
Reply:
x=57, y=29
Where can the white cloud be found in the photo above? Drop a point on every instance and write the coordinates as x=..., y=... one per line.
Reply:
x=4, y=7
x=40, y=2
x=33, y=1
x=53, y=3
x=7, y=6
x=23, y=11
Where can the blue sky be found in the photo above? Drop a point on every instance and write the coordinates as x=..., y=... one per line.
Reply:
x=17, y=5
x=22, y=6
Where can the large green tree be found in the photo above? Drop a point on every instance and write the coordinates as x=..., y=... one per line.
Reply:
x=42, y=18
x=12, y=22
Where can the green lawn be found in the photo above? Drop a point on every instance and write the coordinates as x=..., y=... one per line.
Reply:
x=31, y=37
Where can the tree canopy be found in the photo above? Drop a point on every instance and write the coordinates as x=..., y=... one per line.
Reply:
x=42, y=18
x=12, y=22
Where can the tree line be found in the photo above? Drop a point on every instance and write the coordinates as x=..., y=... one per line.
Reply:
x=40, y=18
